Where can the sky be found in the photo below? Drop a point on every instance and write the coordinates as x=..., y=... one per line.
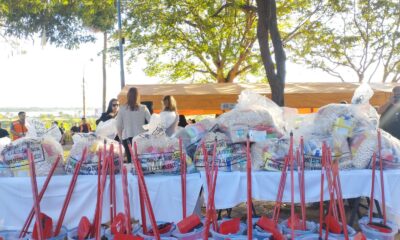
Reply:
x=45, y=76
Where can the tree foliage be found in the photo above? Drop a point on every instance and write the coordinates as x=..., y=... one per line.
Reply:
x=190, y=39
x=360, y=36
x=64, y=23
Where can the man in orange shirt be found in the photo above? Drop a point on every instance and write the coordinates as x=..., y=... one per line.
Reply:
x=18, y=128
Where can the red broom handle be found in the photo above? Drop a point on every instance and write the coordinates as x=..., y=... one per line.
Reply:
x=113, y=206
x=42, y=191
x=69, y=193
x=205, y=161
x=340, y=200
x=141, y=199
x=381, y=175
x=146, y=195
x=183, y=179
x=104, y=170
x=209, y=198
x=281, y=187
x=249, y=190
x=36, y=202
x=291, y=192
x=302, y=185
x=371, y=202
x=99, y=157
x=126, y=200
x=321, y=199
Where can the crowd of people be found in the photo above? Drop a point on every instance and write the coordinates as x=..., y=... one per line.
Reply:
x=132, y=116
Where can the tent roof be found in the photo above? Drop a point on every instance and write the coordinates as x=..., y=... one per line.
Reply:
x=208, y=98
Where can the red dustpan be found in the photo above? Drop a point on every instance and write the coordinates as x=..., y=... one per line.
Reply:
x=230, y=226
x=47, y=227
x=189, y=223
x=118, y=225
x=269, y=225
x=84, y=228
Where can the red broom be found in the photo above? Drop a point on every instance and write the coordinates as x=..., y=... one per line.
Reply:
x=145, y=194
x=183, y=178
x=249, y=199
x=113, y=206
x=381, y=227
x=42, y=191
x=36, y=202
x=69, y=193
x=126, y=200
x=101, y=195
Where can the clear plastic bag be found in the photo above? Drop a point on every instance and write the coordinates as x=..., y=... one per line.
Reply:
x=252, y=111
x=93, y=143
x=229, y=156
x=269, y=155
x=107, y=129
x=159, y=154
x=362, y=94
x=45, y=152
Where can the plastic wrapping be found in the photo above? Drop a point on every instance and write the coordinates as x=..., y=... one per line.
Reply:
x=253, y=112
x=362, y=94
x=269, y=155
x=107, y=129
x=229, y=156
x=36, y=128
x=14, y=158
x=390, y=151
x=160, y=154
x=93, y=143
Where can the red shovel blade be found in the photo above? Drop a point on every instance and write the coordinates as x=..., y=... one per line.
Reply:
x=333, y=224
x=120, y=236
x=230, y=226
x=360, y=236
x=83, y=228
x=297, y=223
x=189, y=223
x=266, y=224
x=119, y=224
x=47, y=225
x=380, y=227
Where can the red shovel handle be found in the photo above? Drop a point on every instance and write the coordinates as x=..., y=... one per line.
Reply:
x=36, y=203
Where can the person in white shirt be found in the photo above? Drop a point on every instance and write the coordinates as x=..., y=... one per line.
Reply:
x=169, y=117
x=131, y=118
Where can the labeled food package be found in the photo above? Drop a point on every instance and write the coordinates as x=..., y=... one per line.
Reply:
x=160, y=154
x=14, y=158
x=269, y=155
x=94, y=144
x=229, y=156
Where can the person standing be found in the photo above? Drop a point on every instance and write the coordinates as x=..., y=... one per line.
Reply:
x=169, y=115
x=3, y=132
x=130, y=119
x=85, y=126
x=18, y=128
x=390, y=114
x=112, y=111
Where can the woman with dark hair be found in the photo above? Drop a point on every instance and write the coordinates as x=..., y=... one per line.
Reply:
x=169, y=115
x=131, y=118
x=111, y=112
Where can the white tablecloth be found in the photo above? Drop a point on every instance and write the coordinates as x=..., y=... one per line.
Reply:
x=166, y=196
x=165, y=193
x=231, y=187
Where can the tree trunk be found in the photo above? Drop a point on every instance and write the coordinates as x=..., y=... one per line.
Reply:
x=104, y=62
x=267, y=26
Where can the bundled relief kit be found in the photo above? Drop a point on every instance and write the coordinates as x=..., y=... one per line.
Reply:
x=14, y=159
x=254, y=115
x=160, y=154
x=228, y=156
x=269, y=155
x=95, y=145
